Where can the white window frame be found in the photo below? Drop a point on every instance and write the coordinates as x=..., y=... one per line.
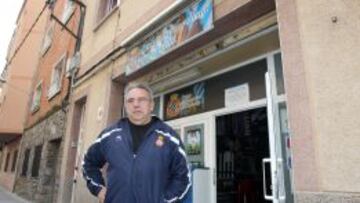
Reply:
x=69, y=9
x=48, y=38
x=55, y=86
x=36, y=100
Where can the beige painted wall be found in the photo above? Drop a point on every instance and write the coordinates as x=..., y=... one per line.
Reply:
x=99, y=38
x=321, y=50
x=97, y=90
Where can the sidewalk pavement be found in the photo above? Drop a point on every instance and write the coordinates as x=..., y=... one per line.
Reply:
x=8, y=197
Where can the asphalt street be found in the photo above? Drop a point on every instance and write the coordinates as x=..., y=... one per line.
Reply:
x=7, y=197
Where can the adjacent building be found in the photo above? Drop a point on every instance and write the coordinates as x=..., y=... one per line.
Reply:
x=16, y=80
x=41, y=147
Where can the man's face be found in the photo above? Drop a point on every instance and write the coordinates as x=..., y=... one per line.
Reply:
x=139, y=106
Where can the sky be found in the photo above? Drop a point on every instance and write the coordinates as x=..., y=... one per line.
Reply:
x=9, y=10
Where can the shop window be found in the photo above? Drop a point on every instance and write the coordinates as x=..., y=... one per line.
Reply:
x=210, y=94
x=36, y=161
x=25, y=163
x=68, y=11
x=36, y=98
x=105, y=7
x=55, y=85
x=14, y=161
x=7, y=161
x=48, y=38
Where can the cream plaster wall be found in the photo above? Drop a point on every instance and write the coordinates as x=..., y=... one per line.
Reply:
x=99, y=38
x=97, y=90
x=326, y=35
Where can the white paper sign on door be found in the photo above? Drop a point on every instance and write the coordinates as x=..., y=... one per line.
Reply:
x=237, y=95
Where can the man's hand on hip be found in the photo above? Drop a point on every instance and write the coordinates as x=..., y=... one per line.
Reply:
x=102, y=194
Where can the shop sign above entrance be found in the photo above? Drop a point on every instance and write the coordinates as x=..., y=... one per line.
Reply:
x=188, y=24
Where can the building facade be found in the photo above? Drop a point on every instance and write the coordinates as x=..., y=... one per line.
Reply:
x=16, y=80
x=262, y=92
x=253, y=87
x=41, y=146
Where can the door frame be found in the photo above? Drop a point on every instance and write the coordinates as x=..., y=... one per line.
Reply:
x=261, y=103
x=209, y=118
x=209, y=121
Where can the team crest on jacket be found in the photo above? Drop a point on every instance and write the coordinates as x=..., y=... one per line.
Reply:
x=159, y=141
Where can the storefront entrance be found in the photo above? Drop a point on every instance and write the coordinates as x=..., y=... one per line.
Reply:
x=234, y=126
x=242, y=142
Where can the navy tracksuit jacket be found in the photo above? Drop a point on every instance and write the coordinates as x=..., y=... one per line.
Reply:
x=158, y=173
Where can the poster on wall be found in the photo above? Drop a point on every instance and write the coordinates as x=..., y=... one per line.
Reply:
x=184, y=102
x=194, y=143
x=188, y=24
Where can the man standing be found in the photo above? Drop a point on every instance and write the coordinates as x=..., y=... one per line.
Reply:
x=146, y=159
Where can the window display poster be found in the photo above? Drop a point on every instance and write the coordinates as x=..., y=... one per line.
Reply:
x=194, y=143
x=185, y=102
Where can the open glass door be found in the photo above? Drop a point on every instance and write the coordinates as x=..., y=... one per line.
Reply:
x=279, y=161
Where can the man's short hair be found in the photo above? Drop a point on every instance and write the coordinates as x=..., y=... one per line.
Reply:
x=140, y=85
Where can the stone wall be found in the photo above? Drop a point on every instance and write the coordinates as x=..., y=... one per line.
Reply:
x=49, y=133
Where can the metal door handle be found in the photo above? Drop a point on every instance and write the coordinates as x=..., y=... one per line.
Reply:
x=266, y=196
x=214, y=177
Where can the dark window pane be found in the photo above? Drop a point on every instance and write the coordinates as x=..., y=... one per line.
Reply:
x=14, y=161
x=7, y=161
x=36, y=161
x=26, y=162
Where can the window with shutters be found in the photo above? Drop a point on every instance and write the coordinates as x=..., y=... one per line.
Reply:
x=36, y=98
x=56, y=77
x=48, y=38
